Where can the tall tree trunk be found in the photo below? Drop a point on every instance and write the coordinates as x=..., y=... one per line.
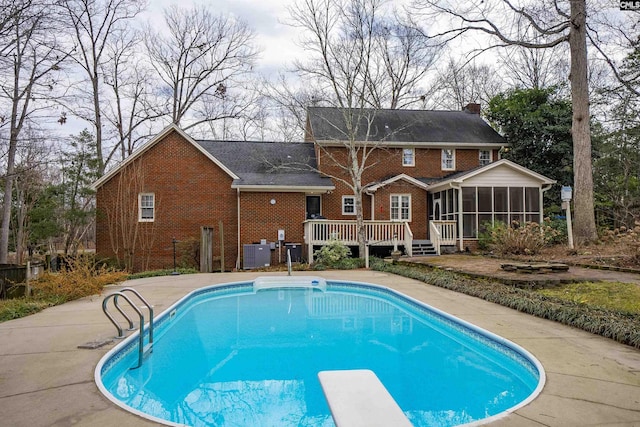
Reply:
x=585, y=223
x=6, y=209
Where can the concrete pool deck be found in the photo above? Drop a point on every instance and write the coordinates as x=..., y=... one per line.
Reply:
x=46, y=380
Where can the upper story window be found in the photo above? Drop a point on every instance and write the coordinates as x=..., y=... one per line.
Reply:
x=408, y=157
x=448, y=159
x=146, y=207
x=400, y=207
x=485, y=157
x=348, y=205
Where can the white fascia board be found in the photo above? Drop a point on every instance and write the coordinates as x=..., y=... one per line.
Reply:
x=283, y=188
x=153, y=141
x=457, y=181
x=402, y=176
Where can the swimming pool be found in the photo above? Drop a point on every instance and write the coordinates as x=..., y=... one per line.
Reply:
x=249, y=354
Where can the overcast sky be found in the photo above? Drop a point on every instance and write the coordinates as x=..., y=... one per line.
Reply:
x=275, y=39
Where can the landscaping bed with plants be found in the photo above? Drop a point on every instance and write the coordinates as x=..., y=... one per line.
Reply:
x=622, y=325
x=82, y=277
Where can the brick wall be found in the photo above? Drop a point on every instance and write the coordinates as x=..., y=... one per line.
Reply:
x=388, y=163
x=419, y=206
x=190, y=192
x=260, y=219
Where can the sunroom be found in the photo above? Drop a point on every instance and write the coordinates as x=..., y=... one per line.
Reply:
x=462, y=204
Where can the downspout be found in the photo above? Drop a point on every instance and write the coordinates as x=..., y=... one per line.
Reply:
x=373, y=206
x=238, y=219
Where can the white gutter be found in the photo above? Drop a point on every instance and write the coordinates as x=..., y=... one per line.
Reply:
x=284, y=188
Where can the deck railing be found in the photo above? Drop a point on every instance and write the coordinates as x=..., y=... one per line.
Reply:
x=443, y=233
x=377, y=233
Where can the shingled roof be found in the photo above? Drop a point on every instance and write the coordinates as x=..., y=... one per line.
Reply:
x=415, y=127
x=268, y=164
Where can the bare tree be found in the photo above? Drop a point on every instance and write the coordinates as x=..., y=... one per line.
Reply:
x=131, y=112
x=131, y=240
x=28, y=184
x=288, y=102
x=343, y=39
x=535, y=68
x=539, y=25
x=461, y=83
x=94, y=24
x=33, y=52
x=199, y=57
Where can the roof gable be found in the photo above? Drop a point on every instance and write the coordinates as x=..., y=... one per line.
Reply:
x=460, y=178
x=404, y=177
x=151, y=143
x=418, y=127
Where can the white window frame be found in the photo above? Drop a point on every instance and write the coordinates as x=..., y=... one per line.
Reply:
x=352, y=206
x=413, y=157
x=445, y=159
x=152, y=207
x=398, y=209
x=486, y=160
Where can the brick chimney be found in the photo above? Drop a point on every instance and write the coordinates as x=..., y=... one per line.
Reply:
x=472, y=107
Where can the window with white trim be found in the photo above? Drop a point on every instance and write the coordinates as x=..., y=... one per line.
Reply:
x=348, y=205
x=485, y=157
x=146, y=207
x=400, y=207
x=408, y=157
x=448, y=159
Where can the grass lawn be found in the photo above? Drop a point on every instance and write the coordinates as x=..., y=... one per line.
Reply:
x=616, y=296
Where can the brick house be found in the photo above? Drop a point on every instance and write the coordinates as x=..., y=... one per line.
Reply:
x=434, y=178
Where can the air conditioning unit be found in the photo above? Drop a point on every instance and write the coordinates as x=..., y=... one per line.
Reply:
x=256, y=256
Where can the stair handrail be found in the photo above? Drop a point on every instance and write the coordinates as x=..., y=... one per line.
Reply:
x=435, y=235
x=114, y=296
x=408, y=239
x=149, y=307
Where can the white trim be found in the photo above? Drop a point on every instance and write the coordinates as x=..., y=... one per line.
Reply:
x=153, y=141
x=152, y=207
x=284, y=188
x=417, y=144
x=413, y=157
x=400, y=197
x=455, y=182
x=453, y=159
x=353, y=198
x=375, y=187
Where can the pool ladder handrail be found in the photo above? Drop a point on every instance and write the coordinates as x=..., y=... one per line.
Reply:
x=289, y=261
x=142, y=350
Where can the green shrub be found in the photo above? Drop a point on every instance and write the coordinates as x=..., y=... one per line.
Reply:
x=21, y=307
x=618, y=325
x=518, y=239
x=349, y=264
x=629, y=238
x=331, y=254
x=157, y=273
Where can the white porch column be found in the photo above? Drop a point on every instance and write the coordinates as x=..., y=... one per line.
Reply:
x=460, y=226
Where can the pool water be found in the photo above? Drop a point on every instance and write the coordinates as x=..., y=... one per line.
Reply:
x=235, y=357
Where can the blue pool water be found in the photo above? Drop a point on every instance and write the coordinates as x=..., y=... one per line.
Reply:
x=232, y=356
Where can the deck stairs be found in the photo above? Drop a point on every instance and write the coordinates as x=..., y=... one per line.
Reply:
x=423, y=248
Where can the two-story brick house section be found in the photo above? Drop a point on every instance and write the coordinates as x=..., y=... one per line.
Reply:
x=434, y=175
x=438, y=172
